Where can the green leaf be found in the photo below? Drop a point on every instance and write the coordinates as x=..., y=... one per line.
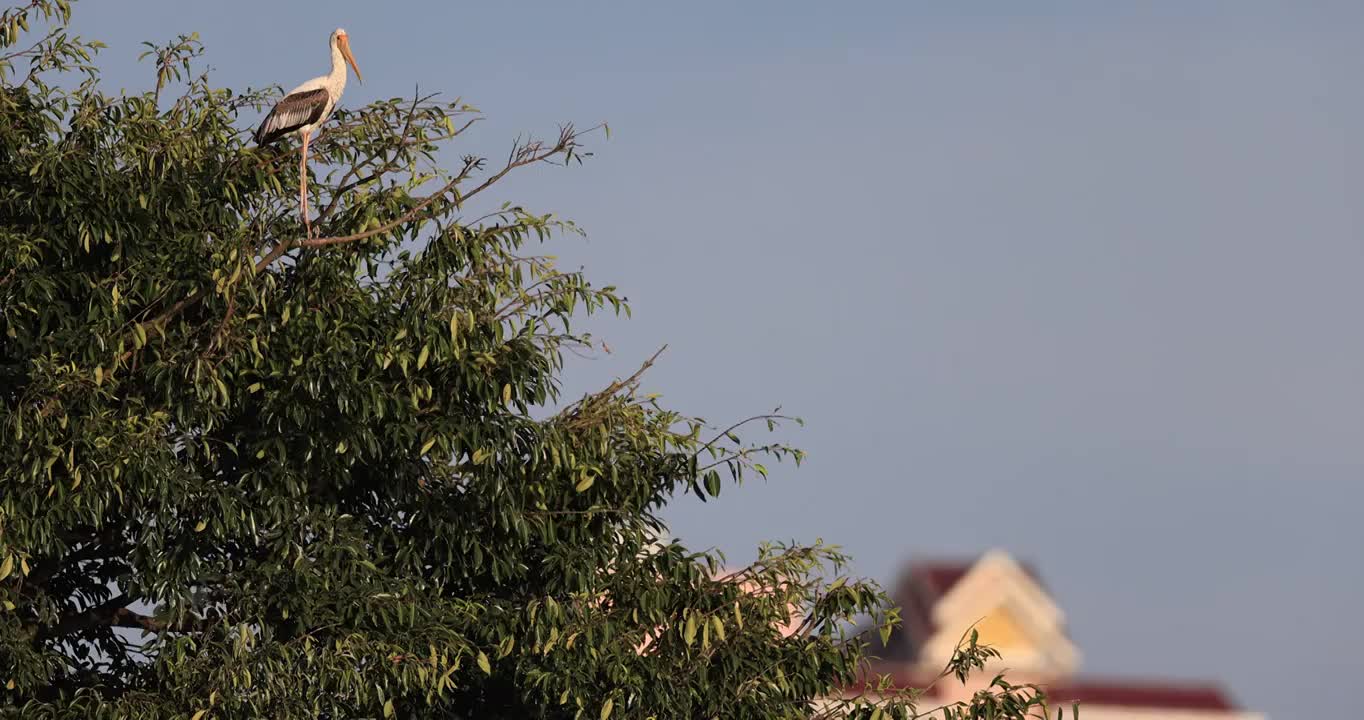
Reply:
x=713, y=484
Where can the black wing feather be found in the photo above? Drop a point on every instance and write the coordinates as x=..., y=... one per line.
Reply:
x=291, y=113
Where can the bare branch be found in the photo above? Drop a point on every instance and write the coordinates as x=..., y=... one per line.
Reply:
x=521, y=156
x=407, y=217
x=97, y=615
x=123, y=617
x=407, y=128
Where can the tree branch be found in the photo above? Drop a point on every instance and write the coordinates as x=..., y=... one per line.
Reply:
x=407, y=217
x=164, y=318
x=93, y=547
x=407, y=128
x=123, y=617
x=737, y=425
x=385, y=168
x=97, y=615
x=521, y=156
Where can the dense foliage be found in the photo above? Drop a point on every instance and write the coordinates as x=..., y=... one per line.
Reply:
x=249, y=473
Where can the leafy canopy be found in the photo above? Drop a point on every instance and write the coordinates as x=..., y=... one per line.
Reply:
x=247, y=473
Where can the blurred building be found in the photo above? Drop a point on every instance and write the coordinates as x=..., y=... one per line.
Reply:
x=1013, y=612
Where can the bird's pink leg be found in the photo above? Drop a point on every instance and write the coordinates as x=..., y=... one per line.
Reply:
x=303, y=186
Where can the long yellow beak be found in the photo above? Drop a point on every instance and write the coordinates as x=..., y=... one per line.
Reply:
x=345, y=50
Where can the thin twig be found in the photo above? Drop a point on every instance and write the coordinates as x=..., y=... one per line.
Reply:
x=737, y=425
x=354, y=237
x=407, y=128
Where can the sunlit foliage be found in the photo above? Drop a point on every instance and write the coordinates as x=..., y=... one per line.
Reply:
x=249, y=473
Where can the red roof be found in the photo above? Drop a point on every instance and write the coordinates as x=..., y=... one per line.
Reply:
x=1145, y=695
x=923, y=584
x=1113, y=693
x=942, y=576
x=938, y=576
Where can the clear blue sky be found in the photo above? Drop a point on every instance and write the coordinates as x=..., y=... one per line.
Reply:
x=1079, y=281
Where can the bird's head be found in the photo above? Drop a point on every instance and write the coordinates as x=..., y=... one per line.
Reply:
x=341, y=41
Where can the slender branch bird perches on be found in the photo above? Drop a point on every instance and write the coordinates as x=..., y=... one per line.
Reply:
x=304, y=110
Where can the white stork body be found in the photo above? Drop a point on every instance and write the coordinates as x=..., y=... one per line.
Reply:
x=306, y=107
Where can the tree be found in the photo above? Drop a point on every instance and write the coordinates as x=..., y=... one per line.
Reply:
x=249, y=473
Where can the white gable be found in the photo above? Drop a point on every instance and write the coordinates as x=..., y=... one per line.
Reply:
x=1000, y=595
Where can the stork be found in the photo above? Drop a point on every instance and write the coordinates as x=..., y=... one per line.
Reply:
x=304, y=110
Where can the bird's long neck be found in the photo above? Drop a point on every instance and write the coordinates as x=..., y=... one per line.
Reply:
x=337, y=77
